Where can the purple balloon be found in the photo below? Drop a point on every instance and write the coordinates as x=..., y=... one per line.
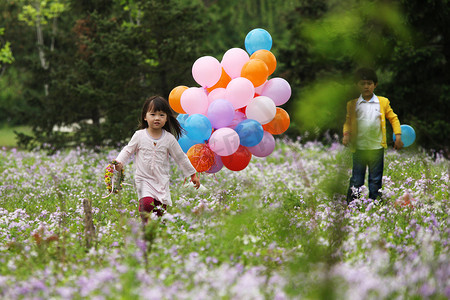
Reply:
x=277, y=89
x=220, y=113
x=238, y=118
x=265, y=147
x=217, y=166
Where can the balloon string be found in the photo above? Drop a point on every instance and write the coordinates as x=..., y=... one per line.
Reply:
x=216, y=177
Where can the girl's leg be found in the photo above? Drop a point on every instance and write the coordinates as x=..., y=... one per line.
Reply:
x=358, y=174
x=146, y=207
x=376, y=165
x=160, y=208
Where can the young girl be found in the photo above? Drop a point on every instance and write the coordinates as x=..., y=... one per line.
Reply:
x=153, y=144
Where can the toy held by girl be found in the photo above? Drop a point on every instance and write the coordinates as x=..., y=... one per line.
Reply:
x=152, y=144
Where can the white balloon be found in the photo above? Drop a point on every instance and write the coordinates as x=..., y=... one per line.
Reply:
x=261, y=109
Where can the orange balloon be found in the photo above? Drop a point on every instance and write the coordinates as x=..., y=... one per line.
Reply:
x=174, y=98
x=256, y=71
x=222, y=83
x=280, y=122
x=201, y=157
x=267, y=57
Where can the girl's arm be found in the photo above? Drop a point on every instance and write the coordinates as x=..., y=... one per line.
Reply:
x=127, y=151
x=181, y=159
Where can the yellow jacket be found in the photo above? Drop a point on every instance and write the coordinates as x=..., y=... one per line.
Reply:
x=350, y=126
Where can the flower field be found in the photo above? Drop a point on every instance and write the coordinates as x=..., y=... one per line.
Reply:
x=279, y=229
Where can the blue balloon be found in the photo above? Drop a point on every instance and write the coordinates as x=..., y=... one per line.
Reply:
x=258, y=39
x=408, y=135
x=186, y=143
x=198, y=128
x=250, y=132
x=182, y=118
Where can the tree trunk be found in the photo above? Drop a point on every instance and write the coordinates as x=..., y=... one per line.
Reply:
x=40, y=41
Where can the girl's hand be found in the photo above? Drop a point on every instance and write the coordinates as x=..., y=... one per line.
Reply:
x=195, y=180
x=119, y=166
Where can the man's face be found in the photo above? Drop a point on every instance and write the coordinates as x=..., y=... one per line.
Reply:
x=366, y=88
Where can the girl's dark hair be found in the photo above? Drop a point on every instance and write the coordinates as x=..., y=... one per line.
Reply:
x=158, y=103
x=366, y=74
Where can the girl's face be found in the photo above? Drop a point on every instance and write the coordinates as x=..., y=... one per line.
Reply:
x=156, y=119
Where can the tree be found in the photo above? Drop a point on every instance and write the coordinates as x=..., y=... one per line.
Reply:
x=38, y=14
x=176, y=30
x=14, y=46
x=153, y=44
x=109, y=66
x=329, y=41
x=99, y=78
x=420, y=81
x=233, y=19
x=6, y=56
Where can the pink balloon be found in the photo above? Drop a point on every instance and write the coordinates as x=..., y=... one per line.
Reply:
x=233, y=60
x=265, y=147
x=240, y=92
x=217, y=166
x=238, y=118
x=259, y=89
x=224, y=141
x=194, y=101
x=261, y=109
x=277, y=89
x=220, y=113
x=217, y=93
x=206, y=71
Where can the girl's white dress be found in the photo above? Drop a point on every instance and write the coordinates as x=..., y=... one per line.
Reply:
x=152, y=163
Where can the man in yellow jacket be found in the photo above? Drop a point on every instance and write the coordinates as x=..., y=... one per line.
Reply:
x=365, y=134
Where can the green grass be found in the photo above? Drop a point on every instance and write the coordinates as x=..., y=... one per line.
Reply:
x=8, y=137
x=278, y=228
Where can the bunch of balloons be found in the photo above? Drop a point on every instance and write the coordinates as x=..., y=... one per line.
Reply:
x=234, y=113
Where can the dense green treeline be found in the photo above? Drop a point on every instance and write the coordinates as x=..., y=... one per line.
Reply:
x=93, y=62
